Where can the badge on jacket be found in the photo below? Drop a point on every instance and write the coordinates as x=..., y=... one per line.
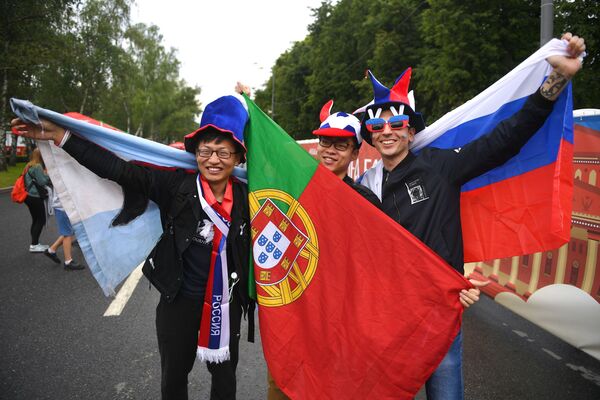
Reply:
x=416, y=191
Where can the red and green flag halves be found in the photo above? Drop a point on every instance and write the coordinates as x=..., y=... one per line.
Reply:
x=351, y=305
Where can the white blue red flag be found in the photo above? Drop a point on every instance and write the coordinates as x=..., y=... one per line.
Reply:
x=523, y=206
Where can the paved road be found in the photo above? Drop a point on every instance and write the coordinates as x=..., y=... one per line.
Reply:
x=56, y=344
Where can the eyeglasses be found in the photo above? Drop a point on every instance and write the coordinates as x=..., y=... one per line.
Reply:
x=341, y=146
x=396, y=122
x=221, y=153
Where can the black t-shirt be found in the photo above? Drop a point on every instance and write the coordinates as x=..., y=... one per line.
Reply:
x=196, y=260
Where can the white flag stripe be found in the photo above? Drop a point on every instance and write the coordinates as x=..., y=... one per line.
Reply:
x=517, y=84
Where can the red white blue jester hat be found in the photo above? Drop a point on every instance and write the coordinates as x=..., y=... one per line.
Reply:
x=397, y=100
x=227, y=114
x=339, y=124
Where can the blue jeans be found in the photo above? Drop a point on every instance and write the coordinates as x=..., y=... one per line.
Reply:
x=446, y=383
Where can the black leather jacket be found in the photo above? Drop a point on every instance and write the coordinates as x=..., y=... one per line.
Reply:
x=176, y=195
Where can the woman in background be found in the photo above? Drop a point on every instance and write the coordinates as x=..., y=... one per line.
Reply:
x=35, y=180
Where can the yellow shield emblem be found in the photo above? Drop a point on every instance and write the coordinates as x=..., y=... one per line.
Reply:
x=284, y=245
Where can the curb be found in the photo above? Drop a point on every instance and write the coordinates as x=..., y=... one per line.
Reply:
x=6, y=189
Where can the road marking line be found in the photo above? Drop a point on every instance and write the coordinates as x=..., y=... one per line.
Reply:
x=520, y=333
x=586, y=373
x=116, y=307
x=552, y=354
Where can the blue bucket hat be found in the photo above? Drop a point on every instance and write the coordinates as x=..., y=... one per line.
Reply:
x=227, y=114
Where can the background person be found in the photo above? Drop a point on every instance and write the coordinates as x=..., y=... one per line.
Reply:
x=35, y=180
x=65, y=230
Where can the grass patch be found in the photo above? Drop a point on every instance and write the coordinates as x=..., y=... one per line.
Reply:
x=8, y=178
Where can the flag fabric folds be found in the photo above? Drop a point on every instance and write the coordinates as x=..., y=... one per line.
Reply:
x=92, y=203
x=523, y=206
x=351, y=306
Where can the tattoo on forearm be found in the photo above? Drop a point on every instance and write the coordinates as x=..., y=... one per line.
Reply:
x=553, y=85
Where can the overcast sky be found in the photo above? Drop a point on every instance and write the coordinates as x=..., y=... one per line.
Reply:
x=221, y=42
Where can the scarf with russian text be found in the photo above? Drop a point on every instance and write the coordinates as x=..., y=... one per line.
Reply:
x=213, y=337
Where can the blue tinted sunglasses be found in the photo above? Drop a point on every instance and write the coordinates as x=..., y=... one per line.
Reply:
x=395, y=122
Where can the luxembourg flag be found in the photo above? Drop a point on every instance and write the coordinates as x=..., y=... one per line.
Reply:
x=523, y=206
x=92, y=203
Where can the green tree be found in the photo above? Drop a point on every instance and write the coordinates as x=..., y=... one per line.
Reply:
x=179, y=117
x=88, y=53
x=343, y=41
x=582, y=18
x=289, y=84
x=290, y=73
x=29, y=32
x=392, y=30
x=340, y=56
x=469, y=45
x=96, y=63
x=456, y=49
x=151, y=100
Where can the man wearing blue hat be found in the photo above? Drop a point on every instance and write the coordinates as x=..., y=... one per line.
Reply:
x=418, y=192
x=200, y=264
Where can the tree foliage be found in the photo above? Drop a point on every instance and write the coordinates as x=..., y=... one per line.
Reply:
x=582, y=17
x=29, y=35
x=147, y=96
x=456, y=49
x=469, y=45
x=86, y=56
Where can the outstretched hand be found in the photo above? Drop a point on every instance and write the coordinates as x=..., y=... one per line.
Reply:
x=469, y=297
x=45, y=131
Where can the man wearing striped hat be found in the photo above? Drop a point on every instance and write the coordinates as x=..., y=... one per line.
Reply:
x=422, y=191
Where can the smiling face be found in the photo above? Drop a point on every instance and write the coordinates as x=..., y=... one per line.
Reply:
x=392, y=144
x=217, y=170
x=333, y=158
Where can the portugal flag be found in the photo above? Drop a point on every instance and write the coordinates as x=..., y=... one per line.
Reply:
x=351, y=305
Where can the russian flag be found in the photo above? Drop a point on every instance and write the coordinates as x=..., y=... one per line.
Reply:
x=523, y=206
x=92, y=203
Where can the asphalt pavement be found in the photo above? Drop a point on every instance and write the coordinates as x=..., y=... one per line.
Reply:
x=55, y=342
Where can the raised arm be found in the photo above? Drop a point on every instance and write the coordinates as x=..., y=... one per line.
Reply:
x=509, y=136
x=151, y=184
x=564, y=68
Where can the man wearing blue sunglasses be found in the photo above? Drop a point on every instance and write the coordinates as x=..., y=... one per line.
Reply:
x=422, y=192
